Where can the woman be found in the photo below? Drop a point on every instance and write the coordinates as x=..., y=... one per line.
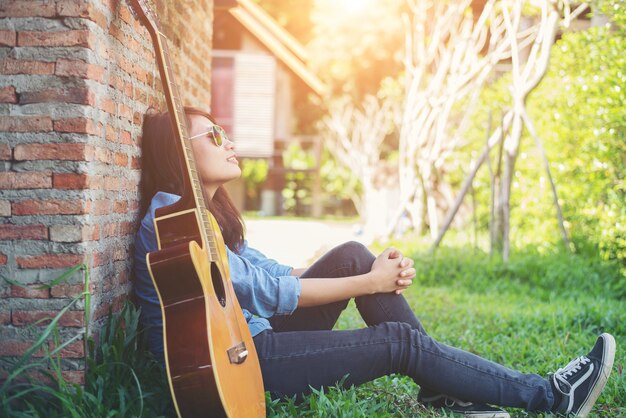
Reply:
x=296, y=309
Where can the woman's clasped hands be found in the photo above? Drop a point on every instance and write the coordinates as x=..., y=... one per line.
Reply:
x=391, y=272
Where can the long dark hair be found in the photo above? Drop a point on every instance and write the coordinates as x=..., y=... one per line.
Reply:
x=161, y=172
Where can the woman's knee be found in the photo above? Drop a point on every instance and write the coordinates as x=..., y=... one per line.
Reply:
x=359, y=255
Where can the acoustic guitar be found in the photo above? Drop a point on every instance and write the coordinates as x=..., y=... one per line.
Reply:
x=212, y=364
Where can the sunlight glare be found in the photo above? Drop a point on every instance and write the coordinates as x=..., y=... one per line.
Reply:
x=354, y=6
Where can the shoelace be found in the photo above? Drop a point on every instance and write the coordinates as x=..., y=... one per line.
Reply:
x=562, y=374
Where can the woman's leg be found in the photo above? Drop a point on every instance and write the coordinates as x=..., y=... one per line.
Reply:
x=293, y=361
x=348, y=259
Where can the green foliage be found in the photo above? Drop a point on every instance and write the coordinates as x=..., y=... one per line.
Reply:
x=579, y=109
x=254, y=173
x=297, y=197
x=121, y=378
x=616, y=9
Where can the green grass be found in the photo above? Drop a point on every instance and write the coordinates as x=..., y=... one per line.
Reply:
x=535, y=314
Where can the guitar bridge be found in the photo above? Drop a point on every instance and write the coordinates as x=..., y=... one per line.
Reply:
x=238, y=353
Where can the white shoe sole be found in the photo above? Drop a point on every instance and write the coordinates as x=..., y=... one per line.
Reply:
x=487, y=415
x=603, y=376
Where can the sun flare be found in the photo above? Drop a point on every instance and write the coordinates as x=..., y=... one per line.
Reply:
x=354, y=6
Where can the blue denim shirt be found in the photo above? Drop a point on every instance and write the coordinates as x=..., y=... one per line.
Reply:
x=263, y=287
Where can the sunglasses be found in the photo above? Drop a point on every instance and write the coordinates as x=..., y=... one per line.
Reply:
x=217, y=133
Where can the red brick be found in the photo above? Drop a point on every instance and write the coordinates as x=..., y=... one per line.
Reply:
x=125, y=14
x=69, y=318
x=110, y=133
x=116, y=31
x=96, y=182
x=91, y=232
x=3, y=259
x=100, y=259
x=80, y=69
x=80, y=8
x=108, y=106
x=121, y=159
x=138, y=116
x=25, y=123
x=7, y=95
x=120, y=207
x=8, y=37
x=30, y=293
x=65, y=290
x=19, y=232
x=111, y=183
x=17, y=348
x=120, y=254
x=70, y=181
x=74, y=376
x=11, y=180
x=126, y=138
x=82, y=38
x=65, y=151
x=5, y=152
x=50, y=207
x=73, y=350
x=115, y=304
x=11, y=66
x=80, y=95
x=135, y=163
x=104, y=155
x=5, y=319
x=128, y=87
x=116, y=82
x=77, y=125
x=49, y=261
x=101, y=207
x=27, y=8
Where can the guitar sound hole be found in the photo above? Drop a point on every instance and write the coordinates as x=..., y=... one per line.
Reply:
x=218, y=284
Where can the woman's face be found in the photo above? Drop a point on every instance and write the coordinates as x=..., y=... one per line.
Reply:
x=216, y=164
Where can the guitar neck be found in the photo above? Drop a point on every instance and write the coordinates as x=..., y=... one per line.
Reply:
x=192, y=183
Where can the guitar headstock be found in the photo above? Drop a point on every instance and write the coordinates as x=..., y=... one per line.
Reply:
x=142, y=11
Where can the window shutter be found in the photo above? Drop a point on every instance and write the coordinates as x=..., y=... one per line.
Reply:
x=255, y=87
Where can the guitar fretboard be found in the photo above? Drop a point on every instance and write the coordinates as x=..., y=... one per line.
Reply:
x=182, y=135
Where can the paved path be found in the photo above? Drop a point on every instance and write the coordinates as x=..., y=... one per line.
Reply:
x=297, y=243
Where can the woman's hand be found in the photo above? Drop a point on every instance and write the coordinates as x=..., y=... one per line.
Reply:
x=391, y=272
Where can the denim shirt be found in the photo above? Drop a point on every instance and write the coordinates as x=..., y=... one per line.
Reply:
x=263, y=287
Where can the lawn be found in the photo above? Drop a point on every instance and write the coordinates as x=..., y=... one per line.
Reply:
x=534, y=314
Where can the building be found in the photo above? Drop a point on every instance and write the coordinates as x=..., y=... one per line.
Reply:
x=256, y=67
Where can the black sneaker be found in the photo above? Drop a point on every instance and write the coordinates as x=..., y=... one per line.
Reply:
x=467, y=409
x=582, y=380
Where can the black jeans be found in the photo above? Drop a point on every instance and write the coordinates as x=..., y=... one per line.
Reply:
x=302, y=350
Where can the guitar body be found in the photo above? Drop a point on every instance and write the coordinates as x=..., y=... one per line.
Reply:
x=202, y=329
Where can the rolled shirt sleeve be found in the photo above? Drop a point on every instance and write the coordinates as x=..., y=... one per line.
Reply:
x=263, y=286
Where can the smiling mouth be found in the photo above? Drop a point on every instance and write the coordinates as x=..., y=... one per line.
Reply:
x=232, y=159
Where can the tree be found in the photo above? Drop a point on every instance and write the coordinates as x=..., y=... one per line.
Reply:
x=528, y=69
x=449, y=55
x=356, y=135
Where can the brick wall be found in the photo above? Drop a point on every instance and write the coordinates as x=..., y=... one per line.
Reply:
x=75, y=79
